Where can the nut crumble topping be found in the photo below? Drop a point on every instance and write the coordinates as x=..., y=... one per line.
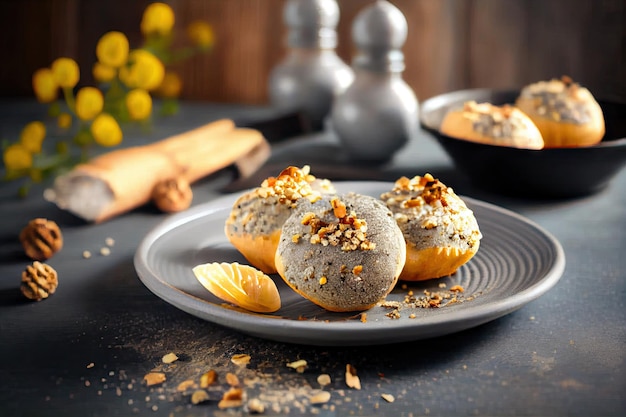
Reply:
x=426, y=203
x=495, y=121
x=349, y=232
x=263, y=210
x=289, y=186
x=560, y=100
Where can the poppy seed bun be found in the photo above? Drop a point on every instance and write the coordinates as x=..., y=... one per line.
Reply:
x=256, y=218
x=441, y=232
x=343, y=253
x=566, y=114
x=492, y=125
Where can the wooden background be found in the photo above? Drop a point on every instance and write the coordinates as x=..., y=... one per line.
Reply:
x=452, y=44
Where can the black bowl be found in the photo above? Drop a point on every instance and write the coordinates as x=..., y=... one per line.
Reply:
x=562, y=172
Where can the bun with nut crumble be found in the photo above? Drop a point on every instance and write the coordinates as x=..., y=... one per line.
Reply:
x=256, y=218
x=566, y=114
x=440, y=231
x=492, y=125
x=343, y=253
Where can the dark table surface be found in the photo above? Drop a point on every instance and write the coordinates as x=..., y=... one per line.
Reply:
x=85, y=350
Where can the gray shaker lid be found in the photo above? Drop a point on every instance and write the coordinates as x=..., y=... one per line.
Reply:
x=311, y=23
x=379, y=31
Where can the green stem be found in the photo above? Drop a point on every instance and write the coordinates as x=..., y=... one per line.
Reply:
x=68, y=94
x=183, y=53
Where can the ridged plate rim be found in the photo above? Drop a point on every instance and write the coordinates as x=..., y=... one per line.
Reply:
x=182, y=232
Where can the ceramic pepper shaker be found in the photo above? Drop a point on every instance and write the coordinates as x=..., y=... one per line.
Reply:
x=311, y=75
x=378, y=114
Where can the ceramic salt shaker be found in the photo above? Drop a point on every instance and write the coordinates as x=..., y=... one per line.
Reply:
x=312, y=74
x=378, y=114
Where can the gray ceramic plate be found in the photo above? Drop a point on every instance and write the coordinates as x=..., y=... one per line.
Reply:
x=517, y=262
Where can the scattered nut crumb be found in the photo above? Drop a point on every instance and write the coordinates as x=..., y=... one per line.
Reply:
x=232, y=380
x=320, y=398
x=154, y=378
x=231, y=398
x=240, y=359
x=185, y=385
x=363, y=317
x=208, y=378
x=86, y=254
x=199, y=396
x=109, y=241
x=90, y=365
x=394, y=314
x=255, y=406
x=388, y=397
x=323, y=380
x=169, y=358
x=352, y=380
x=105, y=251
x=299, y=365
x=457, y=288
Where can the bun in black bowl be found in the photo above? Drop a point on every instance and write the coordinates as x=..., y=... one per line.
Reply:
x=543, y=173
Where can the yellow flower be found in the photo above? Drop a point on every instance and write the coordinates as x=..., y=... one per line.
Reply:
x=17, y=157
x=146, y=71
x=158, y=18
x=201, y=34
x=46, y=89
x=171, y=85
x=139, y=104
x=65, y=72
x=32, y=136
x=112, y=49
x=89, y=103
x=64, y=121
x=102, y=73
x=106, y=131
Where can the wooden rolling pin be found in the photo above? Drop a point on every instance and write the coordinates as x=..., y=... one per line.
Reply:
x=121, y=180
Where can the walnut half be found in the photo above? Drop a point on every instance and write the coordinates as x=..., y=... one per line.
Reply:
x=39, y=281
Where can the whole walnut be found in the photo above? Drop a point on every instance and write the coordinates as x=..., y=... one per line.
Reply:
x=39, y=281
x=172, y=195
x=41, y=238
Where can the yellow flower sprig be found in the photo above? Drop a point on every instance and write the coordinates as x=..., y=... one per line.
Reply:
x=157, y=25
x=88, y=116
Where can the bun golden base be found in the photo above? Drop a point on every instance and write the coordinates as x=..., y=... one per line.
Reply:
x=258, y=250
x=461, y=124
x=557, y=134
x=280, y=267
x=455, y=124
x=434, y=263
x=343, y=253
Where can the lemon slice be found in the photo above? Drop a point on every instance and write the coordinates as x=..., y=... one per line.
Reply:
x=241, y=285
